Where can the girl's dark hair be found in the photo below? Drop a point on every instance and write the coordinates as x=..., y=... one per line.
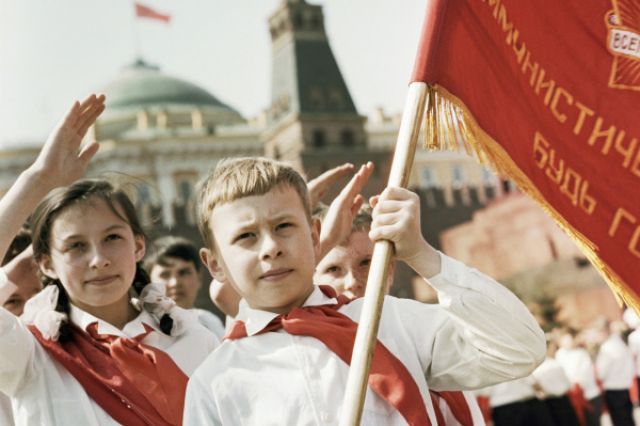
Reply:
x=83, y=191
x=20, y=242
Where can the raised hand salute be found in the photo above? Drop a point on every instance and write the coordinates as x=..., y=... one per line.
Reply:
x=61, y=161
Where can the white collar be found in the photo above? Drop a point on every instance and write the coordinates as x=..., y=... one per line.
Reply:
x=133, y=328
x=152, y=302
x=255, y=319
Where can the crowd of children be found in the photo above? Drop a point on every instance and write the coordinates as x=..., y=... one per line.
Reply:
x=95, y=329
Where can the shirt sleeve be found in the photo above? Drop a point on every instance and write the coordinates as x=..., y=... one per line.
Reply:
x=17, y=347
x=199, y=406
x=7, y=288
x=488, y=336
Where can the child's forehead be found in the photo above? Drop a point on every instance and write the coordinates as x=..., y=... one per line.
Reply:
x=86, y=215
x=279, y=200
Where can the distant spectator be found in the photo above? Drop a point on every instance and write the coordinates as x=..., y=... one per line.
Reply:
x=175, y=262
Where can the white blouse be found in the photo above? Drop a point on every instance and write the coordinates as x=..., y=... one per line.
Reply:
x=479, y=334
x=615, y=364
x=551, y=378
x=580, y=369
x=43, y=392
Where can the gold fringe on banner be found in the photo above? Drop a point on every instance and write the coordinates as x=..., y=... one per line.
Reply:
x=449, y=125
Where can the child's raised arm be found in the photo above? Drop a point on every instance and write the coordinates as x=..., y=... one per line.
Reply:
x=336, y=225
x=486, y=331
x=60, y=162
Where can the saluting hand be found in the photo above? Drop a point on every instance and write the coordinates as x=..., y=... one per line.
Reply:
x=337, y=223
x=319, y=186
x=62, y=160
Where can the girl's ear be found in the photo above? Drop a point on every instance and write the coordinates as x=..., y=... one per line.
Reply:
x=210, y=260
x=315, y=237
x=140, y=247
x=46, y=266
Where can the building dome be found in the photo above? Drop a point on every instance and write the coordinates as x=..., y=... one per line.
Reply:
x=142, y=98
x=143, y=85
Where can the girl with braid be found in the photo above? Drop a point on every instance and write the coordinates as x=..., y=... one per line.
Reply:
x=98, y=345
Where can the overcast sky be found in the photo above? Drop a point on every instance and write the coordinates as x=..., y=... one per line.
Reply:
x=53, y=51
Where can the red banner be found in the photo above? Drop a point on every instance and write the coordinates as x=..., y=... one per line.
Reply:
x=143, y=11
x=548, y=92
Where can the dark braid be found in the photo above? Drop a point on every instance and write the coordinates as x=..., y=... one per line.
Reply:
x=140, y=280
x=64, y=306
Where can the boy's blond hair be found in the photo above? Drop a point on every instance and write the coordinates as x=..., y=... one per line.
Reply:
x=235, y=178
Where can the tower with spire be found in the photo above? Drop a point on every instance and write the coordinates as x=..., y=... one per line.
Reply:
x=312, y=120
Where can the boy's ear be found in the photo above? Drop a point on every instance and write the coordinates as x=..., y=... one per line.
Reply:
x=210, y=260
x=315, y=235
x=46, y=267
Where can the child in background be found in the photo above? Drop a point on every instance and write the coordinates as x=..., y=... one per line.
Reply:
x=99, y=345
x=286, y=359
x=346, y=266
x=578, y=366
x=175, y=263
x=616, y=369
x=14, y=296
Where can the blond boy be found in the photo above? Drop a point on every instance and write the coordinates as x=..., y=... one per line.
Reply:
x=255, y=219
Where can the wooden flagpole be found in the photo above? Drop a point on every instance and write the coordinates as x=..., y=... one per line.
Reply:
x=367, y=333
x=408, y=134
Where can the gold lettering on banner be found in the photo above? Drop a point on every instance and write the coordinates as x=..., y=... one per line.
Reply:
x=584, y=112
x=549, y=85
x=599, y=133
x=623, y=215
x=570, y=182
x=554, y=103
x=528, y=65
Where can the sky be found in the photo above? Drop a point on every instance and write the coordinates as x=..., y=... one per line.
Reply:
x=55, y=51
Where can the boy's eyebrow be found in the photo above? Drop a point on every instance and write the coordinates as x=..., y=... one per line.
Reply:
x=275, y=218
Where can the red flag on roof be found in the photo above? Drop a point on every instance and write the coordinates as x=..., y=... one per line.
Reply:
x=548, y=93
x=143, y=11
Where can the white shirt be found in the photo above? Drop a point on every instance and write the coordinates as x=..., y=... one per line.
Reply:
x=6, y=413
x=510, y=392
x=479, y=334
x=551, y=378
x=210, y=321
x=579, y=368
x=634, y=347
x=615, y=364
x=45, y=393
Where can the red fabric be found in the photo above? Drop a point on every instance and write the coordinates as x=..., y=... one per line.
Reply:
x=143, y=11
x=388, y=377
x=134, y=383
x=567, y=75
x=435, y=401
x=457, y=404
x=579, y=403
x=485, y=408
